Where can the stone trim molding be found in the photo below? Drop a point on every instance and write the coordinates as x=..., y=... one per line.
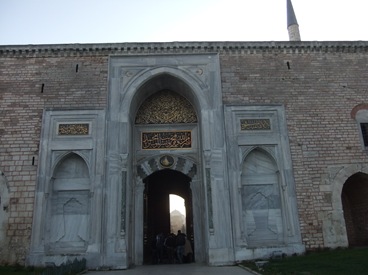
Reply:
x=344, y=172
x=356, y=109
x=103, y=49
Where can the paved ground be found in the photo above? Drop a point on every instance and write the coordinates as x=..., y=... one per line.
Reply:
x=177, y=269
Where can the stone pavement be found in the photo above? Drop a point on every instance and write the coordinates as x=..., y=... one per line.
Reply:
x=177, y=269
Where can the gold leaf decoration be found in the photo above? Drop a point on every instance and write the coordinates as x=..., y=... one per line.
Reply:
x=167, y=140
x=166, y=107
x=81, y=129
x=255, y=124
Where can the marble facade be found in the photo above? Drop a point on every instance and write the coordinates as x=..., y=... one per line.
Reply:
x=90, y=195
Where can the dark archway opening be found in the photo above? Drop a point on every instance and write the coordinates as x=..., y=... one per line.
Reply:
x=355, y=205
x=158, y=187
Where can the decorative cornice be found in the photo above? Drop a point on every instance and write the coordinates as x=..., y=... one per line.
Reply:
x=180, y=47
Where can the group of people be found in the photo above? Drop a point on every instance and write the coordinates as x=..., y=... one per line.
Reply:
x=171, y=249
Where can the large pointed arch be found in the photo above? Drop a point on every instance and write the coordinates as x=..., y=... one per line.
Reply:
x=153, y=80
x=354, y=200
x=334, y=224
x=339, y=180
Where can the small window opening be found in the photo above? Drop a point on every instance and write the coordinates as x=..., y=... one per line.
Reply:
x=364, y=128
x=76, y=68
x=288, y=65
x=42, y=87
x=33, y=160
x=177, y=214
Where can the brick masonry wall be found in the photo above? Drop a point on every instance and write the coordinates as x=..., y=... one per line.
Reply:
x=28, y=86
x=318, y=84
x=354, y=197
x=319, y=91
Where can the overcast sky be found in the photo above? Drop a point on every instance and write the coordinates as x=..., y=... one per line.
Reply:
x=105, y=21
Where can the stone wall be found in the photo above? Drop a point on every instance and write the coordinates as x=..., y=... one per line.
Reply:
x=29, y=85
x=319, y=89
x=319, y=83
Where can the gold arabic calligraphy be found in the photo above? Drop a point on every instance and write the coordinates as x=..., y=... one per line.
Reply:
x=167, y=140
x=73, y=129
x=255, y=124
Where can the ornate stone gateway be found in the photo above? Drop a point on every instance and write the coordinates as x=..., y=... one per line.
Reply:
x=168, y=110
x=105, y=174
x=162, y=109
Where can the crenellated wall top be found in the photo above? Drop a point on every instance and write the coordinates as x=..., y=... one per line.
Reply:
x=245, y=47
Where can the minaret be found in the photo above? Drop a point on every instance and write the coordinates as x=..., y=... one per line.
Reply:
x=292, y=23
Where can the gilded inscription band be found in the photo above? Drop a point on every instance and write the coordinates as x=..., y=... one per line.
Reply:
x=80, y=129
x=255, y=124
x=166, y=140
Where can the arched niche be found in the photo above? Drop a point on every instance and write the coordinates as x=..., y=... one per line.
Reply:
x=261, y=199
x=334, y=225
x=355, y=206
x=164, y=78
x=158, y=186
x=69, y=206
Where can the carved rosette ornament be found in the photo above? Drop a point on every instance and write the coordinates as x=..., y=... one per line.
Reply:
x=166, y=107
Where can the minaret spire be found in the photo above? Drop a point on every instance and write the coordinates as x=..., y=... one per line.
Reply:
x=292, y=23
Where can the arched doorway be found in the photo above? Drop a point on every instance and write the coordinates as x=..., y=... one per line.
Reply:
x=158, y=187
x=166, y=135
x=161, y=114
x=355, y=205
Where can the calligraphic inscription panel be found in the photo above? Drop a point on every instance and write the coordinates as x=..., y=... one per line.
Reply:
x=255, y=124
x=80, y=129
x=166, y=140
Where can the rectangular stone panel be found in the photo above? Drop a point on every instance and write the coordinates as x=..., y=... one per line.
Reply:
x=166, y=140
x=73, y=129
x=255, y=124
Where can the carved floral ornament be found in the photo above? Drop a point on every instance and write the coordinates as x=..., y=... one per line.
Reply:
x=166, y=107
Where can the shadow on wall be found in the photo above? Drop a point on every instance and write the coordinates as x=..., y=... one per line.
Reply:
x=6, y=257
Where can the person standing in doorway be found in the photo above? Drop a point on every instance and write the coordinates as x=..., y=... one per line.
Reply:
x=188, y=251
x=180, y=244
x=170, y=247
